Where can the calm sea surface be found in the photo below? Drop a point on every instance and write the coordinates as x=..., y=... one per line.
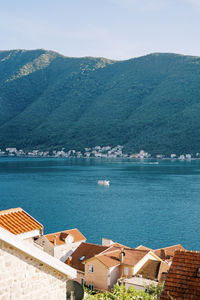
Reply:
x=156, y=205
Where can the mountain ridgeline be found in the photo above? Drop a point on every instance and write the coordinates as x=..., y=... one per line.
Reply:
x=48, y=101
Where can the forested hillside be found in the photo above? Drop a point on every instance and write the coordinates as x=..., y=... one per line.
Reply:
x=48, y=101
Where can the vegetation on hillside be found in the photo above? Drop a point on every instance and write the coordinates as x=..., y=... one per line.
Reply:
x=49, y=101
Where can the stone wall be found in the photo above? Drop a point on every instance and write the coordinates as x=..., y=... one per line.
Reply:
x=44, y=243
x=23, y=277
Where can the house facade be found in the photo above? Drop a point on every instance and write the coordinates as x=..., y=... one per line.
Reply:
x=102, y=268
x=103, y=271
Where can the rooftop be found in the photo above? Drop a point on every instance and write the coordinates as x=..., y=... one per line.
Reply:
x=141, y=247
x=168, y=252
x=139, y=281
x=150, y=269
x=82, y=253
x=111, y=257
x=60, y=236
x=34, y=252
x=17, y=221
x=183, y=280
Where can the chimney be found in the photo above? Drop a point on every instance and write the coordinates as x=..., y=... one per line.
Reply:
x=63, y=236
x=69, y=260
x=162, y=254
x=121, y=255
x=55, y=236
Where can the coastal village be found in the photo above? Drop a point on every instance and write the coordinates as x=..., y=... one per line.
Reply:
x=95, y=152
x=35, y=265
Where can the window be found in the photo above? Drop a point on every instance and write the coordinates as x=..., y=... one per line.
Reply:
x=90, y=269
x=82, y=281
x=82, y=258
x=91, y=287
x=125, y=271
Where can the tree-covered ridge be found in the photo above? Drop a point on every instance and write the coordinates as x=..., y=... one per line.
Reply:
x=49, y=101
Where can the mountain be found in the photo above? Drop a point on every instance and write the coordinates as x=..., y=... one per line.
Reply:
x=48, y=101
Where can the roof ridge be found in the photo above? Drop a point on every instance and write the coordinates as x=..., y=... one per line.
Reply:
x=116, y=244
x=105, y=253
x=141, y=250
x=187, y=251
x=142, y=246
x=95, y=245
x=10, y=210
x=168, y=247
x=61, y=231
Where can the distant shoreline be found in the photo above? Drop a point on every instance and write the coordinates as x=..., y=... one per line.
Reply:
x=151, y=159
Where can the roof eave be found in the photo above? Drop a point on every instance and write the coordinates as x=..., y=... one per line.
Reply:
x=36, y=253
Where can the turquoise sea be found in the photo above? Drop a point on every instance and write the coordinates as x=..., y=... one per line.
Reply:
x=154, y=204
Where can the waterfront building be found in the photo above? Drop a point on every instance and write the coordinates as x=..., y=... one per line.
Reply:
x=100, y=267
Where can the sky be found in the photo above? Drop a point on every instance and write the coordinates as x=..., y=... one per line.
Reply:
x=115, y=29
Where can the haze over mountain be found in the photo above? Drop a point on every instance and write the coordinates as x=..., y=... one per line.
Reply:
x=48, y=101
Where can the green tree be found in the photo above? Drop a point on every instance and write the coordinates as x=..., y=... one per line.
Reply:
x=154, y=290
x=121, y=293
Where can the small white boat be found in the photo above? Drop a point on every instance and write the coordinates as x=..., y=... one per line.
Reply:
x=104, y=182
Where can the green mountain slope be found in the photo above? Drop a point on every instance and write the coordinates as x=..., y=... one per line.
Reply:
x=49, y=101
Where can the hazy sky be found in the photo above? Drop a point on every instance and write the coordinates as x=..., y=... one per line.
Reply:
x=117, y=29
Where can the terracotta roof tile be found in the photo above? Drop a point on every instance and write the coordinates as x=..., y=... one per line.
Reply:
x=182, y=282
x=167, y=253
x=112, y=257
x=118, y=245
x=84, y=251
x=133, y=256
x=60, y=236
x=141, y=247
x=17, y=221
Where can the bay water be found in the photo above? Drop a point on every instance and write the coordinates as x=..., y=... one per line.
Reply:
x=156, y=204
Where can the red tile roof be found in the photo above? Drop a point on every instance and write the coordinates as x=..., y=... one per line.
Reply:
x=112, y=258
x=182, y=282
x=167, y=253
x=141, y=247
x=17, y=221
x=84, y=251
x=60, y=236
